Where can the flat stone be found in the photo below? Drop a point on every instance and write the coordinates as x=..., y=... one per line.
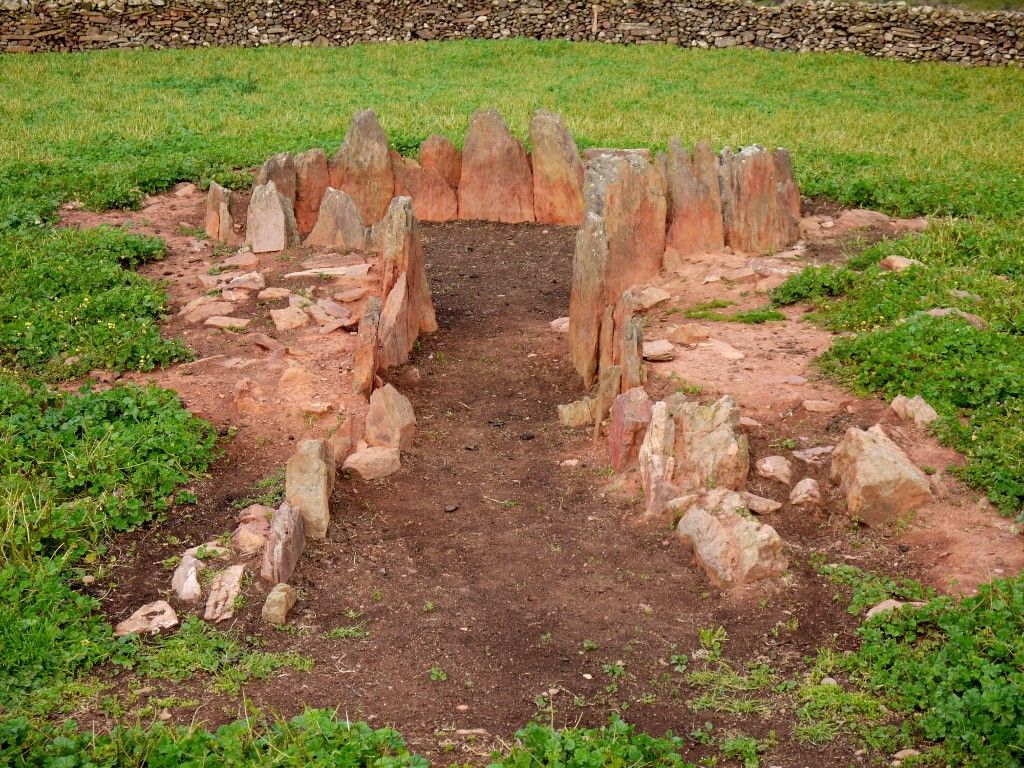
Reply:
x=248, y=281
x=284, y=545
x=346, y=271
x=309, y=481
x=148, y=620
x=201, y=311
x=722, y=349
x=775, y=468
x=351, y=295
x=390, y=420
x=270, y=225
x=289, y=318
x=687, y=334
x=362, y=166
x=227, y=323
x=557, y=171
x=278, y=603
x=890, y=605
x=971, y=318
x=273, y=294
x=820, y=406
x=224, y=592
x=339, y=223
x=659, y=351
x=914, y=409
x=496, y=182
x=250, y=536
x=759, y=505
x=374, y=462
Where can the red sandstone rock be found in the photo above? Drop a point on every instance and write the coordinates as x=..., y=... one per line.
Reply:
x=148, y=620
x=695, y=203
x=439, y=155
x=758, y=200
x=496, y=183
x=557, y=171
x=339, y=223
x=630, y=415
x=364, y=359
x=284, y=546
x=587, y=300
x=390, y=421
x=270, y=223
x=393, y=340
x=309, y=480
x=311, y=182
x=432, y=198
x=362, y=167
x=397, y=239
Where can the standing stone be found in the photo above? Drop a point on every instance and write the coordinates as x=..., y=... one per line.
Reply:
x=608, y=387
x=806, y=493
x=397, y=237
x=278, y=603
x=219, y=225
x=878, y=479
x=279, y=169
x=393, y=340
x=695, y=203
x=439, y=155
x=629, y=193
x=364, y=359
x=309, y=480
x=284, y=546
x=587, y=300
x=224, y=592
x=311, y=182
x=630, y=415
x=757, y=205
x=496, y=183
x=432, y=198
x=632, y=354
x=787, y=191
x=362, y=167
x=148, y=620
x=710, y=451
x=339, y=223
x=731, y=546
x=557, y=171
x=390, y=421
x=657, y=460
x=270, y=225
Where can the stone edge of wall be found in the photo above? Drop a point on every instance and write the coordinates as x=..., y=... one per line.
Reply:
x=891, y=30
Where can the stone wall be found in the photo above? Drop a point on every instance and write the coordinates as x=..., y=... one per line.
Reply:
x=890, y=31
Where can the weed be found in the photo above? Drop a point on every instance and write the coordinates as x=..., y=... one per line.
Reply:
x=438, y=675
x=355, y=632
x=268, y=491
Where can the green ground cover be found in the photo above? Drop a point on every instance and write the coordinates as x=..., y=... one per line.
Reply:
x=108, y=127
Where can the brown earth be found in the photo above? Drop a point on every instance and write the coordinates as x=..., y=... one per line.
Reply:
x=486, y=558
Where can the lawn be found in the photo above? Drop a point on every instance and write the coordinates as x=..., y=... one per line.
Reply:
x=106, y=128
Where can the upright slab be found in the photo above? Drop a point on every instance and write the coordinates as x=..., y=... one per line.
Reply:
x=760, y=206
x=270, y=225
x=279, y=169
x=311, y=182
x=397, y=238
x=557, y=171
x=496, y=183
x=439, y=155
x=588, y=299
x=339, y=223
x=309, y=480
x=218, y=224
x=433, y=199
x=695, y=203
x=362, y=166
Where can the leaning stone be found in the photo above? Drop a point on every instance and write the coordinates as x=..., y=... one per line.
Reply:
x=759, y=505
x=496, y=182
x=339, y=224
x=588, y=297
x=557, y=171
x=630, y=415
x=695, y=204
x=364, y=358
x=439, y=155
x=309, y=480
x=279, y=169
x=657, y=460
x=148, y=620
x=393, y=340
x=250, y=536
x=362, y=167
x=270, y=225
x=659, y=351
x=806, y=494
x=311, y=182
x=731, y=546
x=284, y=546
x=374, y=463
x=709, y=447
x=278, y=603
x=224, y=592
x=775, y=468
x=914, y=409
x=578, y=413
x=878, y=479
x=390, y=421
x=219, y=225
x=185, y=581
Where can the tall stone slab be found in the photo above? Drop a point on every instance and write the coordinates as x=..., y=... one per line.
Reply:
x=760, y=204
x=393, y=340
x=309, y=480
x=279, y=169
x=397, y=238
x=630, y=415
x=270, y=224
x=496, y=183
x=432, y=198
x=311, y=181
x=657, y=461
x=339, y=223
x=630, y=194
x=284, y=545
x=695, y=203
x=439, y=155
x=219, y=225
x=557, y=171
x=364, y=358
x=362, y=166
x=588, y=299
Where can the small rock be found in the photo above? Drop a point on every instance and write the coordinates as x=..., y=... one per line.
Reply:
x=273, y=294
x=185, y=581
x=820, y=406
x=284, y=545
x=898, y=264
x=659, y=351
x=227, y=323
x=148, y=620
x=350, y=295
x=224, y=591
x=903, y=754
x=375, y=462
x=578, y=413
x=560, y=325
x=816, y=455
x=828, y=681
x=253, y=529
x=889, y=605
x=806, y=493
x=748, y=423
x=242, y=260
x=390, y=420
x=775, y=468
x=289, y=318
x=914, y=409
x=250, y=281
x=688, y=333
x=570, y=463
x=280, y=600
x=649, y=297
x=974, y=320
x=722, y=349
x=759, y=505
x=234, y=295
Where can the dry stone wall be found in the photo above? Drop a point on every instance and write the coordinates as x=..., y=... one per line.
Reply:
x=887, y=30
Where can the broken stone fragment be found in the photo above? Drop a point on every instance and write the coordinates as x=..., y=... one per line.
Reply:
x=496, y=183
x=364, y=358
x=311, y=182
x=339, y=223
x=309, y=481
x=284, y=546
x=588, y=297
x=439, y=155
x=250, y=536
x=894, y=263
x=390, y=420
x=759, y=505
x=397, y=239
x=278, y=603
x=433, y=199
x=557, y=171
x=890, y=605
x=279, y=169
x=226, y=323
x=289, y=318
x=695, y=203
x=657, y=460
x=914, y=409
x=731, y=546
x=185, y=580
x=374, y=462
x=709, y=448
x=393, y=339
x=659, y=351
x=578, y=413
x=877, y=478
x=647, y=297
x=148, y=620
x=775, y=468
x=806, y=494
x=219, y=225
x=224, y=592
x=630, y=415
x=687, y=334
x=270, y=224
x=362, y=166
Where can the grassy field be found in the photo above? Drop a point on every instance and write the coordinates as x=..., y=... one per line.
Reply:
x=106, y=128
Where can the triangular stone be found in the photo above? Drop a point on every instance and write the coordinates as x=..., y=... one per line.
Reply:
x=557, y=171
x=311, y=182
x=362, y=167
x=339, y=224
x=496, y=182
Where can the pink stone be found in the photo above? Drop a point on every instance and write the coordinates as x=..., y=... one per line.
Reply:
x=557, y=171
x=433, y=199
x=439, y=155
x=695, y=208
x=630, y=415
x=312, y=180
x=284, y=546
x=496, y=183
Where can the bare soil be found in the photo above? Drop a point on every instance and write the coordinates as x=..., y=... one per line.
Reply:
x=489, y=560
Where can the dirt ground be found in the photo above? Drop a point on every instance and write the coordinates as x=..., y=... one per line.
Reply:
x=528, y=583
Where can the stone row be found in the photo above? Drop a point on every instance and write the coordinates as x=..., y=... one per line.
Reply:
x=890, y=30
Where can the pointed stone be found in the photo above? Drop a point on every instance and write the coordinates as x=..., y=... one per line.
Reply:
x=657, y=460
x=393, y=341
x=609, y=384
x=432, y=198
x=309, y=481
x=279, y=169
x=390, y=421
x=439, y=155
x=695, y=204
x=364, y=359
x=630, y=415
x=757, y=200
x=557, y=171
x=632, y=354
x=339, y=223
x=397, y=238
x=270, y=225
x=284, y=546
x=496, y=183
x=219, y=225
x=224, y=592
x=588, y=299
x=362, y=167
x=311, y=182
